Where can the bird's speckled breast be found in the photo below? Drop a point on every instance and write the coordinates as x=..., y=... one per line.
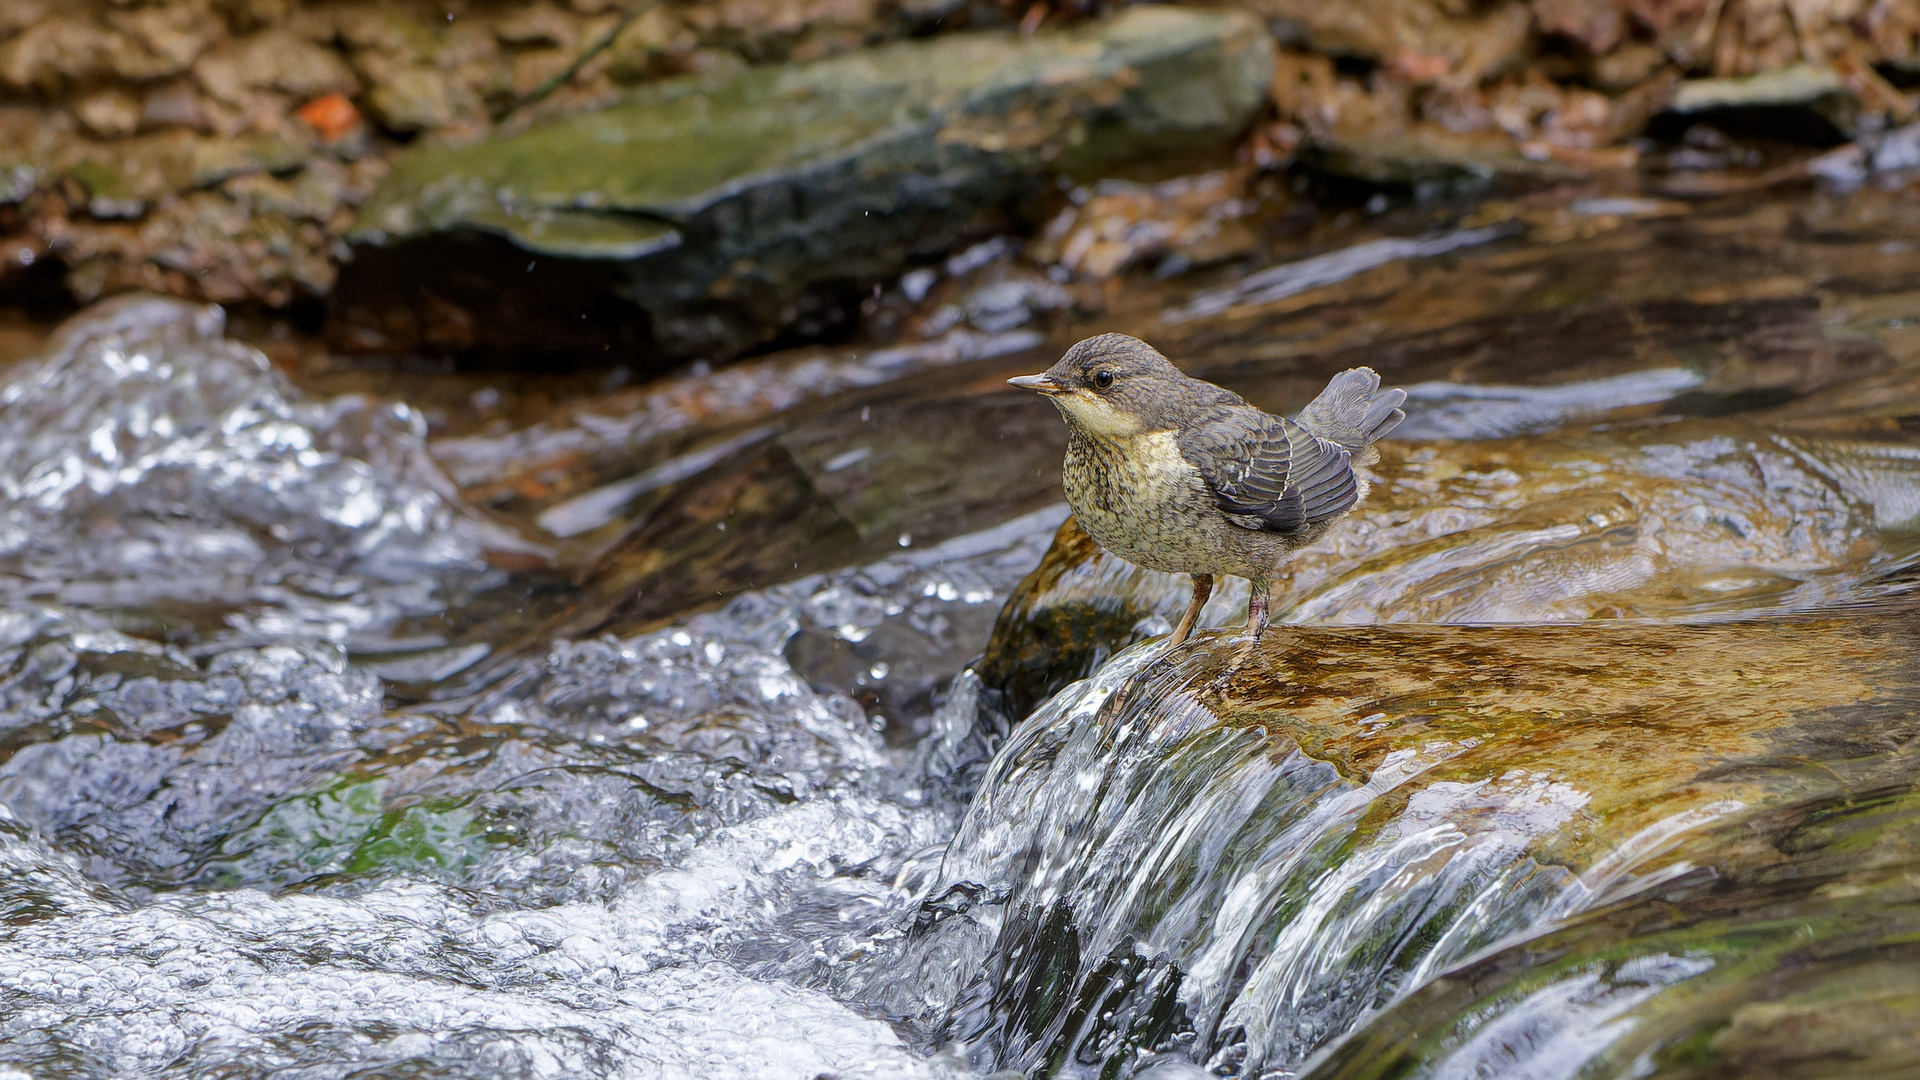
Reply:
x=1138, y=498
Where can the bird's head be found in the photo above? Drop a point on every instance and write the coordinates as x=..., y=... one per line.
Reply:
x=1112, y=385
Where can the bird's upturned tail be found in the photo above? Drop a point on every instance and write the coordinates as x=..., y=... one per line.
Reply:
x=1354, y=412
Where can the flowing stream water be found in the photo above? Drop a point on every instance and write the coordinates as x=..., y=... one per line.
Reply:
x=1586, y=749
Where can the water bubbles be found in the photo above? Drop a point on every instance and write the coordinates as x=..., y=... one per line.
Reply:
x=146, y=460
x=624, y=856
x=1135, y=845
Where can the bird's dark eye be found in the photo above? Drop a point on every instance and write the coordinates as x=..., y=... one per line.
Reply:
x=1102, y=379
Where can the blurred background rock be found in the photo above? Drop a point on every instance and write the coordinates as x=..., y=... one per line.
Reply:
x=224, y=149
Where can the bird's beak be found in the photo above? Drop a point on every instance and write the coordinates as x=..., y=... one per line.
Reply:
x=1039, y=384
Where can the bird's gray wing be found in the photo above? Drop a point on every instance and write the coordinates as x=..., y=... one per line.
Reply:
x=1270, y=474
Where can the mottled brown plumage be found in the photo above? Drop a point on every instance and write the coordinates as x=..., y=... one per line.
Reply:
x=1177, y=474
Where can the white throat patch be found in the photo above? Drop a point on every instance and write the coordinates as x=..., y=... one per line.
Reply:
x=1093, y=413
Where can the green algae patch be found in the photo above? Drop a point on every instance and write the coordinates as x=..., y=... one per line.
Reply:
x=349, y=828
x=727, y=200
x=443, y=834
x=307, y=835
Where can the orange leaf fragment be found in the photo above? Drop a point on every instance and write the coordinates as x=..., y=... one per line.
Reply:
x=332, y=116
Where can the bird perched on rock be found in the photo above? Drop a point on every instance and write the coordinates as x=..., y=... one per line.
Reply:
x=1176, y=474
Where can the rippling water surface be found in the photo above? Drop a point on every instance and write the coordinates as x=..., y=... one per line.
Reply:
x=791, y=730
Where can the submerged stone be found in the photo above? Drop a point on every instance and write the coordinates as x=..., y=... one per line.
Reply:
x=823, y=492
x=1430, y=160
x=704, y=215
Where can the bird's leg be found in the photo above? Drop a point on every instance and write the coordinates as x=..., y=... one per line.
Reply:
x=1257, y=605
x=1202, y=588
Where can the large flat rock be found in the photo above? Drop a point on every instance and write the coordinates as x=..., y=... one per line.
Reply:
x=705, y=215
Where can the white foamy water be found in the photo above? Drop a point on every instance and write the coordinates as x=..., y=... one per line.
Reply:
x=226, y=852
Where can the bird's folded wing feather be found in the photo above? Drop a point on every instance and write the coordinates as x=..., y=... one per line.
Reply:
x=1270, y=474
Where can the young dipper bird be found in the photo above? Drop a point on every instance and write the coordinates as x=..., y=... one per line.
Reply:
x=1176, y=474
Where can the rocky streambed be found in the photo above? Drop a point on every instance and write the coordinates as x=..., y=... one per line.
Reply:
x=590, y=605
x=700, y=179
x=776, y=720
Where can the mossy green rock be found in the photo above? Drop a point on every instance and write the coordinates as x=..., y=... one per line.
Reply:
x=724, y=209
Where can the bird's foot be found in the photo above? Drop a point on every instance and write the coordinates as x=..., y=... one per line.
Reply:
x=1257, y=604
x=1202, y=588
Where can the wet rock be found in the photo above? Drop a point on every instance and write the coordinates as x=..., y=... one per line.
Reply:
x=1436, y=96
x=998, y=299
x=1371, y=132
x=1278, y=283
x=1825, y=980
x=819, y=493
x=679, y=793
x=1454, y=43
x=1117, y=224
x=1654, y=290
x=1443, y=410
x=696, y=236
x=1806, y=101
x=1229, y=853
x=885, y=639
x=652, y=429
x=1430, y=161
x=1066, y=618
x=1637, y=309
x=1528, y=530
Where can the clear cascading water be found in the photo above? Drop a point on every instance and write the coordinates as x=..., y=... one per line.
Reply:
x=230, y=848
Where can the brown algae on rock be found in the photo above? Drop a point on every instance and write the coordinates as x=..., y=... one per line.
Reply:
x=1705, y=519
x=1263, y=843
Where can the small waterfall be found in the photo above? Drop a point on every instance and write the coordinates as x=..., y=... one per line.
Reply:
x=1232, y=855
x=1225, y=888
